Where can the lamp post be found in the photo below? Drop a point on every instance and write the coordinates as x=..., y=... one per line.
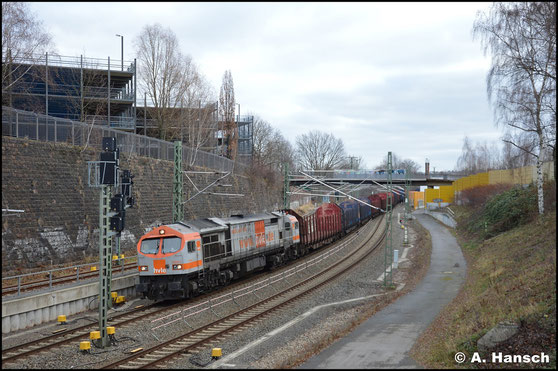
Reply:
x=238, y=104
x=122, y=49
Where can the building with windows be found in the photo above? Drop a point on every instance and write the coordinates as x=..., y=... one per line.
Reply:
x=77, y=88
x=104, y=92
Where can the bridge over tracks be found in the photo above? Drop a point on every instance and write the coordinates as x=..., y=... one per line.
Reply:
x=372, y=177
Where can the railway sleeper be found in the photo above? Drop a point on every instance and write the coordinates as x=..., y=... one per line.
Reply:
x=149, y=358
x=162, y=351
x=223, y=326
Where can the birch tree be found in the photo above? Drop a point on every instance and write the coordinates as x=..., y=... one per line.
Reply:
x=521, y=83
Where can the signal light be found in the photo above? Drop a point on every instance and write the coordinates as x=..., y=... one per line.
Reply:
x=117, y=203
x=117, y=223
x=109, y=144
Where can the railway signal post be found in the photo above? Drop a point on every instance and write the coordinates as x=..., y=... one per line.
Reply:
x=407, y=205
x=104, y=174
x=388, y=251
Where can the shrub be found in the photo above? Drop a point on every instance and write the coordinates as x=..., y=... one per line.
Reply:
x=477, y=196
x=507, y=210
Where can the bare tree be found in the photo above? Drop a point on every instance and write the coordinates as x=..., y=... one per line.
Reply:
x=479, y=157
x=164, y=75
x=398, y=163
x=522, y=79
x=198, y=121
x=513, y=156
x=270, y=147
x=409, y=165
x=24, y=43
x=352, y=162
x=263, y=133
x=226, y=111
x=319, y=151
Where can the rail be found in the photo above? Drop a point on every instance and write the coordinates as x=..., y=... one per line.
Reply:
x=253, y=288
x=25, y=124
x=228, y=324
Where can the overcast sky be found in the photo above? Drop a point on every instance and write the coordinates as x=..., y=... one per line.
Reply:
x=400, y=77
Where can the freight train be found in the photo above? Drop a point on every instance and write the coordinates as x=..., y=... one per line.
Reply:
x=184, y=259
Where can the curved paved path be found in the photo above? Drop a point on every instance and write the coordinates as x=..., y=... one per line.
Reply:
x=384, y=340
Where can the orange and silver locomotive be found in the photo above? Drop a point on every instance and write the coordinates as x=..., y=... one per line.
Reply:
x=184, y=259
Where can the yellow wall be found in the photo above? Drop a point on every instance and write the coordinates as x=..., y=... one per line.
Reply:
x=445, y=193
x=522, y=175
x=415, y=197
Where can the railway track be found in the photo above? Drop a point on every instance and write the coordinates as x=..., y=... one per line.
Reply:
x=60, y=338
x=216, y=331
x=73, y=277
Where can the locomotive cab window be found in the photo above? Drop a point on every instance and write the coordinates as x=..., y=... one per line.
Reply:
x=296, y=225
x=171, y=244
x=287, y=225
x=150, y=246
x=191, y=246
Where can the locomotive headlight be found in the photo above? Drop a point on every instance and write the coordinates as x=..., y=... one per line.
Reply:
x=177, y=266
x=162, y=231
x=142, y=268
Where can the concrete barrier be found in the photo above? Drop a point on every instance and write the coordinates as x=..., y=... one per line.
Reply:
x=24, y=312
x=443, y=217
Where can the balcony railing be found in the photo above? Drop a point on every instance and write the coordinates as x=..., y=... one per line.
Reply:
x=75, y=62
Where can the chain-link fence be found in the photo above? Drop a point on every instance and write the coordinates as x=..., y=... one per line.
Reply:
x=25, y=124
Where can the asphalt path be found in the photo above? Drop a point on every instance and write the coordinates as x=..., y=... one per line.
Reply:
x=385, y=339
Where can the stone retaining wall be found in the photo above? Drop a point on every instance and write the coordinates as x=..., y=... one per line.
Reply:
x=49, y=181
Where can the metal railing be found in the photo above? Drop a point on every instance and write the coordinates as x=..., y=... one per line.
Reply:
x=25, y=124
x=53, y=279
x=74, y=62
x=398, y=174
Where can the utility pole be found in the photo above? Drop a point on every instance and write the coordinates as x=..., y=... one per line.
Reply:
x=286, y=186
x=407, y=205
x=388, y=251
x=177, y=204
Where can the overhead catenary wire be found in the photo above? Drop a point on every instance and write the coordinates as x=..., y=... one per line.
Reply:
x=343, y=193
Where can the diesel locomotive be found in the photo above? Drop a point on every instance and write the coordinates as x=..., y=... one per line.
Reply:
x=184, y=259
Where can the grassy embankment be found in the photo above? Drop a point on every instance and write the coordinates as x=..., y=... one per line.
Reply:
x=511, y=276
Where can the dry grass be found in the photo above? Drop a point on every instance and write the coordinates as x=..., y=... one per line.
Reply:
x=509, y=277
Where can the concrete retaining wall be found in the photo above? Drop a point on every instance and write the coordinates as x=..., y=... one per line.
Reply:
x=443, y=217
x=33, y=310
